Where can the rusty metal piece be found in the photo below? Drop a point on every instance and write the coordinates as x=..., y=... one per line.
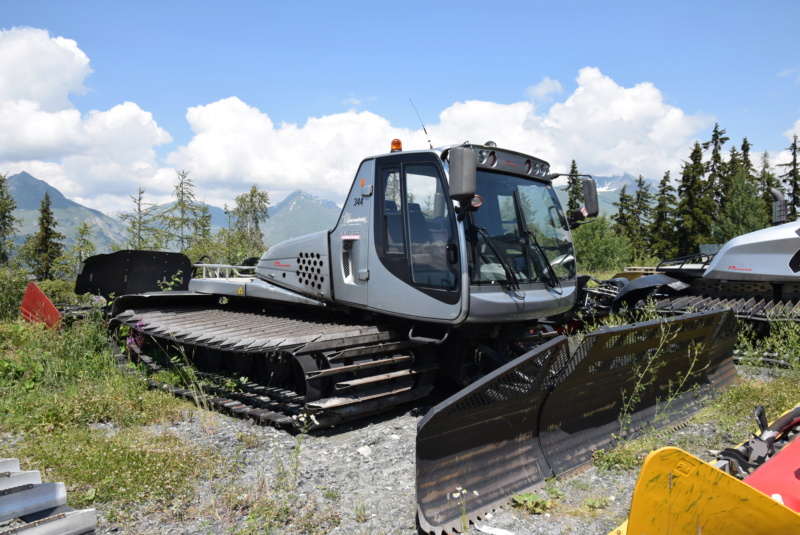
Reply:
x=544, y=413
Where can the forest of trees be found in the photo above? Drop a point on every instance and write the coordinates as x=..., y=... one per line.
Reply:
x=715, y=198
x=183, y=225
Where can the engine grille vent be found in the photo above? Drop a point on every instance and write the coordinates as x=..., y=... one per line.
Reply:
x=346, y=263
x=309, y=270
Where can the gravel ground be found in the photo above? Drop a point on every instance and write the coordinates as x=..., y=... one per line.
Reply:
x=364, y=472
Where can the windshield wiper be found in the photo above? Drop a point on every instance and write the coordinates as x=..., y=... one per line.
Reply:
x=511, y=279
x=551, y=274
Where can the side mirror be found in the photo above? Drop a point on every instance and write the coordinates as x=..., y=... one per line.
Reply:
x=463, y=174
x=590, y=197
x=591, y=207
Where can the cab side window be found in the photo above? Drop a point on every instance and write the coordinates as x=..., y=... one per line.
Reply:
x=394, y=237
x=418, y=225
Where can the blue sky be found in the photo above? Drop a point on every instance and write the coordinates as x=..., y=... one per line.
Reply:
x=295, y=94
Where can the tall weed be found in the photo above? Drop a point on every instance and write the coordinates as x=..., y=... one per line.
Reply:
x=57, y=379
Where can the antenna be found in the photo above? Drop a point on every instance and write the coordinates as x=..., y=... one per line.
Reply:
x=420, y=122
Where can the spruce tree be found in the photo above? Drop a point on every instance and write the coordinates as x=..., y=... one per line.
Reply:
x=8, y=222
x=624, y=221
x=696, y=206
x=642, y=213
x=746, y=162
x=734, y=165
x=662, y=228
x=43, y=250
x=792, y=179
x=574, y=189
x=715, y=167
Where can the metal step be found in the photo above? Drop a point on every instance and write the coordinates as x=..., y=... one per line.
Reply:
x=360, y=366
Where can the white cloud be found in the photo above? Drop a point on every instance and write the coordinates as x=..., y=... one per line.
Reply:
x=236, y=145
x=101, y=158
x=609, y=129
x=793, y=131
x=352, y=102
x=606, y=128
x=27, y=132
x=545, y=91
x=94, y=159
x=40, y=68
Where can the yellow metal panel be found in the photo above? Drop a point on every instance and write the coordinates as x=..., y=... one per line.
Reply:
x=679, y=494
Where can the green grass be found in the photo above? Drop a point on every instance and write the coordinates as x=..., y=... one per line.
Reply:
x=78, y=418
x=55, y=385
x=73, y=414
x=60, y=379
x=128, y=466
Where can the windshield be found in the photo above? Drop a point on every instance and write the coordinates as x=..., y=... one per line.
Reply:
x=519, y=222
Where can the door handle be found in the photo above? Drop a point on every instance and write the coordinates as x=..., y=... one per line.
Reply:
x=452, y=253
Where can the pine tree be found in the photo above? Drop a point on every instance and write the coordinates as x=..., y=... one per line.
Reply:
x=574, y=189
x=662, y=228
x=734, y=165
x=624, y=221
x=696, y=205
x=143, y=230
x=766, y=181
x=181, y=219
x=746, y=162
x=642, y=213
x=43, y=250
x=715, y=167
x=8, y=222
x=792, y=179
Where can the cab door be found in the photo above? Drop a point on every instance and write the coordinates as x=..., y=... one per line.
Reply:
x=350, y=241
x=415, y=265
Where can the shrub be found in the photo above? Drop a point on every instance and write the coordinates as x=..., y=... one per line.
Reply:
x=13, y=282
x=599, y=248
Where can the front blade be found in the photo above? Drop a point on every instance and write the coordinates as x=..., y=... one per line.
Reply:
x=621, y=381
x=544, y=413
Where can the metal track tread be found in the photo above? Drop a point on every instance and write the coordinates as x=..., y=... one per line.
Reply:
x=752, y=309
x=382, y=383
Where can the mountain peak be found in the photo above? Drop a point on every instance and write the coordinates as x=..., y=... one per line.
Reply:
x=28, y=192
x=300, y=197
